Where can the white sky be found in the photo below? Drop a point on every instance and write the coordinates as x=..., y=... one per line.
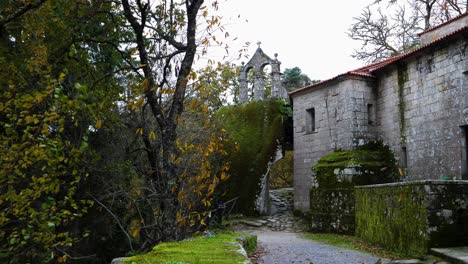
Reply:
x=305, y=33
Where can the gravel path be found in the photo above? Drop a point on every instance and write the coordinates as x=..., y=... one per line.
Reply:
x=285, y=247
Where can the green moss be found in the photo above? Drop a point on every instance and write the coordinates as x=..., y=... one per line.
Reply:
x=373, y=162
x=220, y=248
x=402, y=79
x=254, y=130
x=332, y=210
x=394, y=217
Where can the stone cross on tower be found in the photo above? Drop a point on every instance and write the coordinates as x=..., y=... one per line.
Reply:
x=258, y=61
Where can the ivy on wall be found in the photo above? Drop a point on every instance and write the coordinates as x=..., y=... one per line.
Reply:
x=254, y=130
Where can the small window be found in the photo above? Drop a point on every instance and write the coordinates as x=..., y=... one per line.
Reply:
x=370, y=114
x=310, y=120
x=404, y=158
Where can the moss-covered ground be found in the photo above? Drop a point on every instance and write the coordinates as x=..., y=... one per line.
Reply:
x=218, y=248
x=354, y=243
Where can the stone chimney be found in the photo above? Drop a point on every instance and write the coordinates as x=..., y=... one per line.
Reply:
x=443, y=29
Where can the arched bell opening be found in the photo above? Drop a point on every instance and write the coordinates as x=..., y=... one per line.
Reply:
x=266, y=71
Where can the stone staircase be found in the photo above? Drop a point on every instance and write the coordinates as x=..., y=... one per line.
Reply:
x=280, y=217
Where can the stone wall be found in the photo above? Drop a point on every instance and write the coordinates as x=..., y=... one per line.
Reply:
x=421, y=111
x=421, y=106
x=414, y=216
x=331, y=210
x=341, y=122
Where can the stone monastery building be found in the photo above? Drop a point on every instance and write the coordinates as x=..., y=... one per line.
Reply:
x=416, y=102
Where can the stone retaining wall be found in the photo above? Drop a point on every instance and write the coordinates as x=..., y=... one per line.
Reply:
x=411, y=217
x=332, y=210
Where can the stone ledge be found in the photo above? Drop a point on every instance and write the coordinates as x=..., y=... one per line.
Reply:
x=455, y=255
x=423, y=182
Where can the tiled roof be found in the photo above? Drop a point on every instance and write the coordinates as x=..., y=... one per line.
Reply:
x=443, y=24
x=367, y=71
x=315, y=85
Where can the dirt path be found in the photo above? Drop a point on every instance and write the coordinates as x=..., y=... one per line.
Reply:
x=285, y=247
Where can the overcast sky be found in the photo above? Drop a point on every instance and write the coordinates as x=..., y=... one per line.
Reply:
x=305, y=33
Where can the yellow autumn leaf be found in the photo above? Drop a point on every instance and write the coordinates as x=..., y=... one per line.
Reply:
x=139, y=102
x=62, y=76
x=400, y=170
x=224, y=176
x=204, y=109
x=145, y=84
x=179, y=216
x=135, y=232
x=152, y=135
x=98, y=124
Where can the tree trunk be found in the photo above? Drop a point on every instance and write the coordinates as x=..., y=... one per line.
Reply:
x=164, y=170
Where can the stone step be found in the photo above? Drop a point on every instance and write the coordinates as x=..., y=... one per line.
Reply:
x=456, y=255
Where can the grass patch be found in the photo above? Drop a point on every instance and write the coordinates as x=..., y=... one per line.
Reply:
x=351, y=242
x=219, y=248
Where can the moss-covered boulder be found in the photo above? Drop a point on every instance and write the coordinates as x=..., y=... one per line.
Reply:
x=371, y=163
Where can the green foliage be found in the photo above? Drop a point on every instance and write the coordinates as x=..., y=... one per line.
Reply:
x=218, y=248
x=254, y=129
x=50, y=103
x=293, y=78
x=393, y=217
x=214, y=83
x=249, y=243
x=374, y=163
x=281, y=172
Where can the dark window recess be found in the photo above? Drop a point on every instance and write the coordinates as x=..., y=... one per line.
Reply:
x=465, y=153
x=310, y=120
x=370, y=114
x=404, y=158
x=430, y=65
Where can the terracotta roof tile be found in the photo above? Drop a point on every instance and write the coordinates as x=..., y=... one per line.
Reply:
x=362, y=74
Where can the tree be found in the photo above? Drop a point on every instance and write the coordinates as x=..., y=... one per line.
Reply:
x=72, y=140
x=215, y=84
x=55, y=91
x=293, y=78
x=282, y=172
x=383, y=35
x=165, y=39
